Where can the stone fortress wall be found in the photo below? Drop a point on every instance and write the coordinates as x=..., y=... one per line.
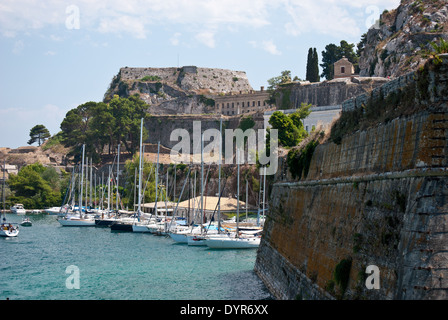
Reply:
x=379, y=198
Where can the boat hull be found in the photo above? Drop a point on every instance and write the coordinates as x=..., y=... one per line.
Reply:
x=196, y=241
x=236, y=243
x=6, y=231
x=140, y=228
x=179, y=237
x=122, y=227
x=77, y=222
x=105, y=223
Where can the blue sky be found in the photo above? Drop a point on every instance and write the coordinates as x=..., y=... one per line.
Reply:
x=56, y=55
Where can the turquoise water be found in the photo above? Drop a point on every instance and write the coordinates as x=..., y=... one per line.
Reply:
x=119, y=266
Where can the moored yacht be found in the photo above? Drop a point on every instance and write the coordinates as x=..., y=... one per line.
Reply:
x=18, y=209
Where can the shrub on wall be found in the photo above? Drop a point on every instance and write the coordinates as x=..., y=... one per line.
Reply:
x=299, y=160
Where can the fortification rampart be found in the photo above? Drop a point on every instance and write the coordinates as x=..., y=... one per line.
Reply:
x=378, y=198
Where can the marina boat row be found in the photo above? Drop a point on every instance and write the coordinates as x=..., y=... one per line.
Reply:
x=217, y=233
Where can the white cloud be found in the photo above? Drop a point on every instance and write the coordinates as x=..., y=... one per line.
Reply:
x=175, y=39
x=324, y=17
x=50, y=53
x=266, y=45
x=207, y=38
x=270, y=47
x=122, y=24
x=134, y=16
x=342, y=18
x=203, y=18
x=18, y=47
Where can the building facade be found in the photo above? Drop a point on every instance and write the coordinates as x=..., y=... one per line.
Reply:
x=239, y=103
x=343, y=68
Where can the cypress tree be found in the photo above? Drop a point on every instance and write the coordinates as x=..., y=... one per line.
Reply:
x=309, y=65
x=315, y=74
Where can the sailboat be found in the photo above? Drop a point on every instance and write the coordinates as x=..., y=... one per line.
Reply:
x=236, y=240
x=140, y=226
x=78, y=220
x=7, y=229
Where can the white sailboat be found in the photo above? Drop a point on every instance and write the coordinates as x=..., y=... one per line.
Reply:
x=7, y=229
x=142, y=226
x=78, y=220
x=237, y=240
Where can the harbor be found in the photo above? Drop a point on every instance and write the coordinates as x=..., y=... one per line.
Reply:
x=120, y=265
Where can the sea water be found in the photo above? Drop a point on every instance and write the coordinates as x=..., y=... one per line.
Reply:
x=41, y=263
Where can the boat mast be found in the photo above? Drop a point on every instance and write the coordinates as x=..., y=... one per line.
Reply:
x=91, y=182
x=118, y=172
x=238, y=192
x=264, y=190
x=219, y=174
x=247, y=194
x=3, y=190
x=157, y=178
x=108, y=192
x=140, y=172
x=82, y=180
x=202, y=182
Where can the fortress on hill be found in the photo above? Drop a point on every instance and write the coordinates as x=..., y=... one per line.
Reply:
x=192, y=90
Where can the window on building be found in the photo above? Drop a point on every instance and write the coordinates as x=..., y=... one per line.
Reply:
x=253, y=103
x=259, y=103
x=342, y=69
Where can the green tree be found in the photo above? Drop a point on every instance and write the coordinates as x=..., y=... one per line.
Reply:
x=288, y=134
x=309, y=65
x=148, y=181
x=127, y=113
x=333, y=53
x=301, y=113
x=99, y=124
x=76, y=130
x=312, y=66
x=315, y=69
x=36, y=186
x=38, y=133
x=274, y=83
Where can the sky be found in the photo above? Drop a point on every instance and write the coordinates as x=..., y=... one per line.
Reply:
x=56, y=55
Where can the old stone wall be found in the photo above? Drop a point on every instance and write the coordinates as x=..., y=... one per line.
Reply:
x=379, y=197
x=161, y=127
x=327, y=93
x=193, y=79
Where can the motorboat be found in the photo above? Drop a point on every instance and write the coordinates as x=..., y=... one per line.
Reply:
x=18, y=209
x=26, y=222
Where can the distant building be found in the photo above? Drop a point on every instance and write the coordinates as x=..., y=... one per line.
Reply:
x=234, y=103
x=8, y=169
x=343, y=68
